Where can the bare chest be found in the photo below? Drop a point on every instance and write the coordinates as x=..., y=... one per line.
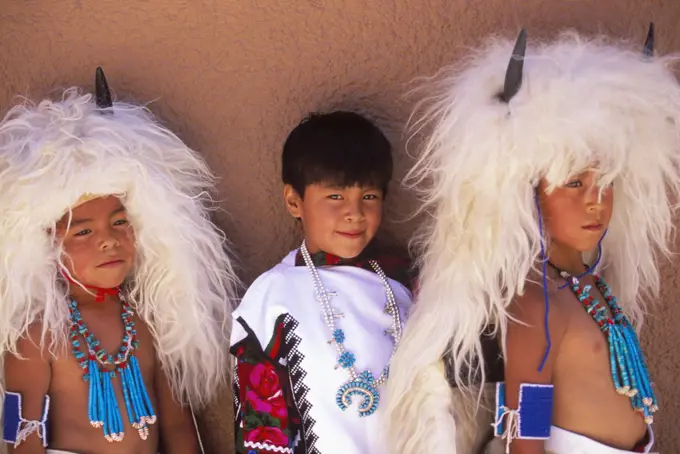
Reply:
x=586, y=400
x=585, y=341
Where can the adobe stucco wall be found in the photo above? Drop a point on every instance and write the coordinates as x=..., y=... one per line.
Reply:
x=233, y=76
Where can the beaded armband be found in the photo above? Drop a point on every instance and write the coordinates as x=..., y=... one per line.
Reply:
x=16, y=428
x=533, y=417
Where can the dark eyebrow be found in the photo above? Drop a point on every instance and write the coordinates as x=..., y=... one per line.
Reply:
x=118, y=211
x=75, y=222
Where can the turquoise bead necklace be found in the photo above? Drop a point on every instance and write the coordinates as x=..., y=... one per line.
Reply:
x=103, y=410
x=627, y=362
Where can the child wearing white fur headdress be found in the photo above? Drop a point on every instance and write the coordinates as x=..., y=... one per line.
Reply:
x=546, y=189
x=106, y=235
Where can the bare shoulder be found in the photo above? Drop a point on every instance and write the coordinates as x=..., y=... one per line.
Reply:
x=535, y=328
x=530, y=308
x=33, y=344
x=144, y=332
x=140, y=323
x=146, y=350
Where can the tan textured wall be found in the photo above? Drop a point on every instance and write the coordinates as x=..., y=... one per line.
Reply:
x=233, y=76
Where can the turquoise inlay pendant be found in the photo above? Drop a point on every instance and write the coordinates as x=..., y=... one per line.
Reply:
x=363, y=386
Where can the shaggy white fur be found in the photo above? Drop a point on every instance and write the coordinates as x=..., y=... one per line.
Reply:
x=183, y=285
x=581, y=102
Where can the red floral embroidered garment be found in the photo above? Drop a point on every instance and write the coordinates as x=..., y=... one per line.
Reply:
x=271, y=406
x=267, y=415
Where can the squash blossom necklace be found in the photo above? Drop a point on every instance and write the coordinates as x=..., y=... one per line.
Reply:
x=362, y=384
x=100, y=368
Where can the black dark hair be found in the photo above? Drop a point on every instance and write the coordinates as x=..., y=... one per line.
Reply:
x=338, y=148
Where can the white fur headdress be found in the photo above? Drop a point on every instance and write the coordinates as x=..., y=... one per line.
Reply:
x=577, y=102
x=183, y=285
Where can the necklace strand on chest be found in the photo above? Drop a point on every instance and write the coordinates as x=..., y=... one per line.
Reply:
x=360, y=384
x=103, y=409
x=627, y=362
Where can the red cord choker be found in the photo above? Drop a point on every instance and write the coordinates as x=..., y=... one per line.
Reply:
x=100, y=294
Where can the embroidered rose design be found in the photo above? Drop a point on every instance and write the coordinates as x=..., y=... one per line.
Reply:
x=264, y=380
x=264, y=391
x=269, y=435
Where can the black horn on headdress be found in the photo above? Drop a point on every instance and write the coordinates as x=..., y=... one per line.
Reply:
x=102, y=93
x=648, y=48
x=513, y=76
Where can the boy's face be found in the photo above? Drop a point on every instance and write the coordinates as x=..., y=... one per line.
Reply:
x=99, y=243
x=578, y=212
x=339, y=221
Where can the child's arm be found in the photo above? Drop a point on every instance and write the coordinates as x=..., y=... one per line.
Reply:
x=29, y=377
x=525, y=348
x=177, y=431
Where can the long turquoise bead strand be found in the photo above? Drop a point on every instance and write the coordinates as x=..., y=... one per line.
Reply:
x=628, y=367
x=99, y=371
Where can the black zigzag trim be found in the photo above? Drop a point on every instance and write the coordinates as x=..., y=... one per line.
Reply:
x=300, y=390
x=237, y=390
